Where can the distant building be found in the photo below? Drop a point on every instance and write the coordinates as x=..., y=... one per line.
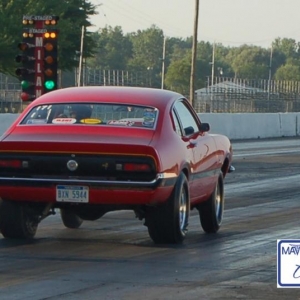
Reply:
x=231, y=96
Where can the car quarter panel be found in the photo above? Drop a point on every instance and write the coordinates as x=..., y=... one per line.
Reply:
x=175, y=152
x=206, y=167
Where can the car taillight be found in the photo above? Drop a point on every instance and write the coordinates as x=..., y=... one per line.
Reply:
x=132, y=167
x=10, y=163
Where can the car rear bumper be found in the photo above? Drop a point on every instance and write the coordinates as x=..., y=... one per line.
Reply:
x=100, y=191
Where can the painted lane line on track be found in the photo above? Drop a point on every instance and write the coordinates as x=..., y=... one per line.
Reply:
x=259, y=152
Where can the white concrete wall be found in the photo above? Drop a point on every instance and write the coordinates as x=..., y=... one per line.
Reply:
x=6, y=120
x=235, y=126
x=252, y=125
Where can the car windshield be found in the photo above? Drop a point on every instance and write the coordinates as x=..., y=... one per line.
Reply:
x=92, y=114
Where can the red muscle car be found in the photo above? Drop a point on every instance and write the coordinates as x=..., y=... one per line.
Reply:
x=87, y=151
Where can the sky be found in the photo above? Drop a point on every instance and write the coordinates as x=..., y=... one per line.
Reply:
x=229, y=22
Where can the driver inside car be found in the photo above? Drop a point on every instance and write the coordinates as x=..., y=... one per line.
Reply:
x=80, y=112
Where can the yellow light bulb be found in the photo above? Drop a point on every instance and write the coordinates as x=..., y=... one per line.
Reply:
x=49, y=47
x=49, y=60
x=49, y=72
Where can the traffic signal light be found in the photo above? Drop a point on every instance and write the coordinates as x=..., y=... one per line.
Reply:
x=50, y=60
x=26, y=72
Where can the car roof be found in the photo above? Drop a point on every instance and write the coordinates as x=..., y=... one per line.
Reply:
x=111, y=94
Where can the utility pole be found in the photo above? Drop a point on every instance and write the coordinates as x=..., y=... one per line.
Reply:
x=213, y=65
x=270, y=71
x=194, y=56
x=163, y=64
x=80, y=58
x=212, y=77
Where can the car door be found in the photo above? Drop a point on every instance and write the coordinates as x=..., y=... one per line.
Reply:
x=203, y=148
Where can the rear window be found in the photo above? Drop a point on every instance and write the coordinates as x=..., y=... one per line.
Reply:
x=92, y=114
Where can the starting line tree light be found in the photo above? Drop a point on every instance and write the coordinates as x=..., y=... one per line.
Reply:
x=38, y=74
x=50, y=60
x=26, y=73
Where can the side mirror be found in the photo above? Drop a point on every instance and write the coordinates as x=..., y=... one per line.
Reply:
x=204, y=127
x=189, y=130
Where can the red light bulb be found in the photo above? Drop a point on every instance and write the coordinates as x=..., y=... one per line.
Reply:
x=24, y=96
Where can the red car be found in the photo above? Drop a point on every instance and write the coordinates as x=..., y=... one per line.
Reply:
x=90, y=150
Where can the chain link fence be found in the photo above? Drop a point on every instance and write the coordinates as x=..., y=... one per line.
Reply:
x=10, y=89
x=117, y=78
x=224, y=95
x=232, y=95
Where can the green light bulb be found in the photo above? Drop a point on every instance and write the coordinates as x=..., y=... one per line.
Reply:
x=49, y=84
x=25, y=84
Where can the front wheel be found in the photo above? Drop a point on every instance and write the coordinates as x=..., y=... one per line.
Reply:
x=70, y=219
x=17, y=221
x=168, y=223
x=211, y=211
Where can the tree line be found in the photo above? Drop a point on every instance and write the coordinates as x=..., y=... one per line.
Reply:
x=110, y=48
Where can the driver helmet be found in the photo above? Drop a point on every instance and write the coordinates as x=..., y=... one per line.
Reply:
x=80, y=111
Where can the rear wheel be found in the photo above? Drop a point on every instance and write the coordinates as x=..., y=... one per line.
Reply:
x=168, y=223
x=211, y=211
x=70, y=219
x=17, y=221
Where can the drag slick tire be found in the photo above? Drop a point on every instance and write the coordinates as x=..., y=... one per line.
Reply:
x=70, y=219
x=17, y=220
x=167, y=224
x=211, y=211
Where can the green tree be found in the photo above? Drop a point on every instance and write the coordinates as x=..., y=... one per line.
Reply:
x=222, y=66
x=113, y=49
x=73, y=15
x=286, y=57
x=176, y=48
x=147, y=46
x=179, y=72
x=178, y=76
x=147, y=52
x=289, y=71
x=10, y=30
x=205, y=55
x=250, y=62
x=288, y=47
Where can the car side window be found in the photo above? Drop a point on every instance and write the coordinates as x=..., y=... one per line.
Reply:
x=176, y=123
x=187, y=120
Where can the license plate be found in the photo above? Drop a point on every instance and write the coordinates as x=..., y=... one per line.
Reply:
x=67, y=193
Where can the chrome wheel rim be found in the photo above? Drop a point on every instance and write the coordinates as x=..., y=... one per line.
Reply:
x=182, y=210
x=218, y=204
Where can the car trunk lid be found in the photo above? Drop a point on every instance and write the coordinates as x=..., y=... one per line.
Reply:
x=111, y=154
